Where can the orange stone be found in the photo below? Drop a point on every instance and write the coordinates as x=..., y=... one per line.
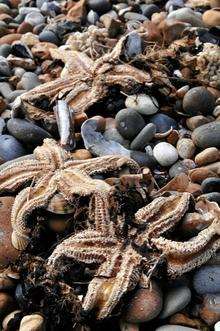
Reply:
x=9, y=38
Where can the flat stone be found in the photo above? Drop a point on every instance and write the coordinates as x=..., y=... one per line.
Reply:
x=206, y=279
x=207, y=135
x=144, y=137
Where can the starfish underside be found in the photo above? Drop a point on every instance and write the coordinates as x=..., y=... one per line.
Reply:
x=54, y=173
x=127, y=254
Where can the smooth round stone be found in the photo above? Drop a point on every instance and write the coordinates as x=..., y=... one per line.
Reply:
x=182, y=166
x=207, y=135
x=29, y=80
x=186, y=15
x=4, y=67
x=165, y=154
x=131, y=16
x=5, y=50
x=48, y=36
x=213, y=196
x=217, y=326
x=175, y=300
x=34, y=322
x=143, y=159
x=206, y=279
x=149, y=10
x=34, y=18
x=211, y=17
x=99, y=6
x=10, y=148
x=133, y=46
x=211, y=184
x=196, y=121
x=145, y=305
x=27, y=132
x=208, y=155
x=92, y=17
x=185, y=148
x=143, y=137
x=8, y=253
x=5, y=90
x=142, y=103
x=129, y=123
x=198, y=100
x=169, y=327
x=163, y=122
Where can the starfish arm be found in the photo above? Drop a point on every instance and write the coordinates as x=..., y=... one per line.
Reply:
x=104, y=293
x=195, y=245
x=88, y=246
x=162, y=214
x=14, y=174
x=26, y=201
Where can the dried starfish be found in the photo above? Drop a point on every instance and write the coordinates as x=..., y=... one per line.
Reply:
x=126, y=255
x=54, y=174
x=83, y=82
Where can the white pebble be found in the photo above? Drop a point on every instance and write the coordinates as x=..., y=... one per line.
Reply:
x=142, y=103
x=165, y=154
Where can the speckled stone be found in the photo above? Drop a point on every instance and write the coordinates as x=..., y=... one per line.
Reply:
x=206, y=279
x=129, y=123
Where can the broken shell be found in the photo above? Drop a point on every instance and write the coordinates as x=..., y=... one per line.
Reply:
x=207, y=156
x=59, y=205
x=185, y=148
x=11, y=319
x=34, y=322
x=165, y=154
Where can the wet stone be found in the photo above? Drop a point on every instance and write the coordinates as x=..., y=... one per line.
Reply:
x=144, y=137
x=206, y=279
x=10, y=148
x=198, y=100
x=129, y=123
x=163, y=122
x=48, y=36
x=27, y=132
x=99, y=6
x=211, y=184
x=207, y=135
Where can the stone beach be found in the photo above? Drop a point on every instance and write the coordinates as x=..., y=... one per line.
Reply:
x=109, y=165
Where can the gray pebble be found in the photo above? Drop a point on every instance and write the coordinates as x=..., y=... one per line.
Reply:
x=2, y=125
x=113, y=134
x=14, y=94
x=34, y=18
x=143, y=159
x=99, y=6
x=149, y=10
x=206, y=279
x=5, y=90
x=19, y=71
x=211, y=184
x=27, y=132
x=175, y=300
x=163, y=122
x=142, y=103
x=175, y=328
x=135, y=17
x=213, y=196
x=29, y=80
x=10, y=148
x=165, y=154
x=5, y=50
x=4, y=67
x=48, y=36
x=186, y=15
x=133, y=45
x=207, y=135
x=129, y=123
x=27, y=10
x=144, y=137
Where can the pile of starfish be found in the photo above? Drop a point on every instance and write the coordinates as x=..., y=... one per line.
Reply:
x=126, y=251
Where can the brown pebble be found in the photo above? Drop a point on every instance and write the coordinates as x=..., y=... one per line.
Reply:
x=215, y=3
x=8, y=252
x=42, y=50
x=81, y=154
x=25, y=27
x=14, y=3
x=185, y=148
x=9, y=319
x=171, y=29
x=5, y=18
x=145, y=305
x=196, y=121
x=9, y=38
x=3, y=104
x=34, y=322
x=173, y=137
x=194, y=189
x=208, y=155
x=199, y=174
x=29, y=39
x=211, y=17
x=182, y=91
x=209, y=311
x=7, y=304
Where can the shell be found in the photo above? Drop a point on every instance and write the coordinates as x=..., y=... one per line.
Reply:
x=185, y=148
x=58, y=205
x=9, y=318
x=18, y=241
x=34, y=322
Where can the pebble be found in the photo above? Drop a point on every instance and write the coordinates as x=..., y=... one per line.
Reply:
x=217, y=326
x=211, y=184
x=12, y=321
x=208, y=155
x=5, y=89
x=142, y=103
x=34, y=18
x=5, y=50
x=175, y=300
x=185, y=148
x=99, y=6
x=206, y=279
x=149, y=10
x=10, y=38
x=143, y=159
x=133, y=47
x=4, y=67
x=27, y=132
x=207, y=135
x=186, y=15
x=6, y=304
x=34, y=322
x=92, y=17
x=210, y=309
x=182, y=166
x=211, y=17
x=145, y=305
x=165, y=154
x=25, y=27
x=129, y=123
x=199, y=174
x=163, y=122
x=196, y=121
x=143, y=137
x=14, y=94
x=131, y=16
x=175, y=328
x=10, y=148
x=29, y=80
x=213, y=196
x=198, y=100
x=48, y=36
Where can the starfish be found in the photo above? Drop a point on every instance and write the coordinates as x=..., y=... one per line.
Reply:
x=83, y=82
x=54, y=175
x=128, y=254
